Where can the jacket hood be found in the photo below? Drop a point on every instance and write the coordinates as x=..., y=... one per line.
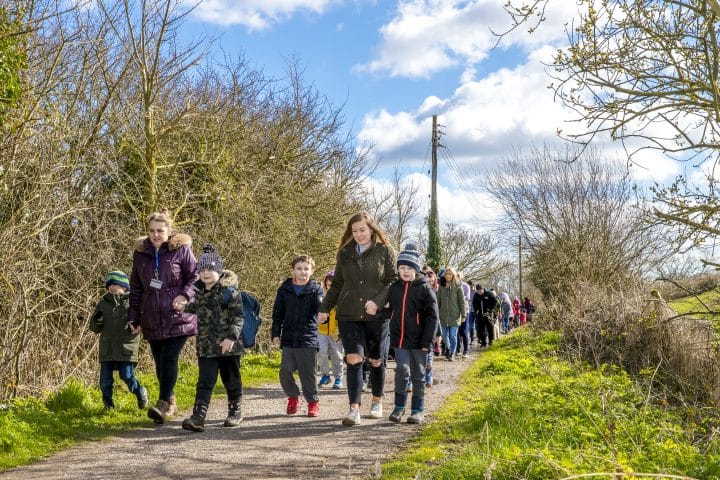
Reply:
x=175, y=241
x=228, y=279
x=419, y=280
x=312, y=283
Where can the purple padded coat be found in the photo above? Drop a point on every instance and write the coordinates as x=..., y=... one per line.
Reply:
x=152, y=308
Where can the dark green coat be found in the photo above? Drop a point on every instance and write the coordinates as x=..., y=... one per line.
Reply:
x=359, y=278
x=219, y=315
x=117, y=344
x=452, y=306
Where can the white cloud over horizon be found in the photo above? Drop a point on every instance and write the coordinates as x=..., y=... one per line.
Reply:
x=256, y=14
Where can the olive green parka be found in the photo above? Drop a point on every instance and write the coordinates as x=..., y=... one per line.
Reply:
x=360, y=277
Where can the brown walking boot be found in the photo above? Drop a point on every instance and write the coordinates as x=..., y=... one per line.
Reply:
x=157, y=413
x=172, y=408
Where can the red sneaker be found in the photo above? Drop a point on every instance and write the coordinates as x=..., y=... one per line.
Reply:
x=313, y=409
x=292, y=406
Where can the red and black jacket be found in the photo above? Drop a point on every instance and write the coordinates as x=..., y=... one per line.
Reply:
x=413, y=314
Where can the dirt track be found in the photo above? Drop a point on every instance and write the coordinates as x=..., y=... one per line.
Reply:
x=267, y=445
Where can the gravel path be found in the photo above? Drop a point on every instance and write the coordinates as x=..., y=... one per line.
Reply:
x=267, y=445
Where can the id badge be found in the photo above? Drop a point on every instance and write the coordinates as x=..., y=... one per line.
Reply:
x=156, y=283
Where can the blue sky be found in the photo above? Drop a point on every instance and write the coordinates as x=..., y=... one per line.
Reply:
x=393, y=64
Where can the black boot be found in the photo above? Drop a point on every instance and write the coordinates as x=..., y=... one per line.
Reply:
x=234, y=412
x=196, y=422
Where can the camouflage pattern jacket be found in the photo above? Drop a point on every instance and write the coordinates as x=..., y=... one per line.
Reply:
x=219, y=316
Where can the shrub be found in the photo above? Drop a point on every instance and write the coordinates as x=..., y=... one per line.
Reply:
x=72, y=395
x=675, y=356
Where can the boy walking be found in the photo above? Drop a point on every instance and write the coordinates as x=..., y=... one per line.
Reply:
x=219, y=310
x=295, y=330
x=118, y=346
x=413, y=323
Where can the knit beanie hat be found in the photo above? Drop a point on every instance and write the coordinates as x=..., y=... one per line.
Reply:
x=410, y=256
x=210, y=260
x=116, y=277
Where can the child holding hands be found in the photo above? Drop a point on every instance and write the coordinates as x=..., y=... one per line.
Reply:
x=118, y=347
x=413, y=323
x=219, y=310
x=295, y=330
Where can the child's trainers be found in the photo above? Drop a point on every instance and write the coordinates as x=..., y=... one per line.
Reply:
x=292, y=406
x=352, y=418
x=376, y=410
x=324, y=380
x=338, y=383
x=416, y=417
x=313, y=409
x=397, y=414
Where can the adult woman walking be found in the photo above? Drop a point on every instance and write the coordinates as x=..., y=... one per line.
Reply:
x=161, y=282
x=451, y=303
x=364, y=270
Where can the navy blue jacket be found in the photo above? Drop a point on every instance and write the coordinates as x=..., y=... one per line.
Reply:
x=295, y=316
x=413, y=314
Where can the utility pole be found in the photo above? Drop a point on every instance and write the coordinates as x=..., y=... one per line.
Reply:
x=434, y=253
x=520, y=264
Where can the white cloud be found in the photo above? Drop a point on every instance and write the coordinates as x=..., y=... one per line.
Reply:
x=427, y=36
x=256, y=14
x=480, y=120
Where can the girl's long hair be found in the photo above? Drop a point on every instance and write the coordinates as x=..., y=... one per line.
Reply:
x=377, y=234
x=455, y=280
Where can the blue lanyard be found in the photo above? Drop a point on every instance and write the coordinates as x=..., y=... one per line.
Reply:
x=157, y=264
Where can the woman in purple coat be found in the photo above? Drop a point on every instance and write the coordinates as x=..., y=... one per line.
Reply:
x=162, y=279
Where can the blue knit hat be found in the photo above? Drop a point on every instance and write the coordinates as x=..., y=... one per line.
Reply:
x=210, y=260
x=116, y=277
x=410, y=256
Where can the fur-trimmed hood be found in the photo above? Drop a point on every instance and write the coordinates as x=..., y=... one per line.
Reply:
x=227, y=279
x=175, y=241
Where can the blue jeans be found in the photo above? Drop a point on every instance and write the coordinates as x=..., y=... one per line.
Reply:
x=428, y=368
x=471, y=326
x=410, y=364
x=450, y=338
x=166, y=353
x=126, y=370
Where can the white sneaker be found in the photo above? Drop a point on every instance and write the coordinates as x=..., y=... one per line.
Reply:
x=352, y=418
x=376, y=410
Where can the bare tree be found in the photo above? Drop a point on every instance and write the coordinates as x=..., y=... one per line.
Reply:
x=476, y=254
x=579, y=217
x=394, y=207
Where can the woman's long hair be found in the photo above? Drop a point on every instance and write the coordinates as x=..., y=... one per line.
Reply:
x=455, y=279
x=377, y=234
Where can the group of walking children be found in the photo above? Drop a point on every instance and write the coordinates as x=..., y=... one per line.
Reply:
x=201, y=298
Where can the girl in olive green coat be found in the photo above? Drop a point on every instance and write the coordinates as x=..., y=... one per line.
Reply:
x=364, y=271
x=451, y=303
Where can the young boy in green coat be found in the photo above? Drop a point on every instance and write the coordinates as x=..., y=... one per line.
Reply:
x=118, y=346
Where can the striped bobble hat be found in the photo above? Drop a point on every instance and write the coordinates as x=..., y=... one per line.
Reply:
x=410, y=256
x=117, y=277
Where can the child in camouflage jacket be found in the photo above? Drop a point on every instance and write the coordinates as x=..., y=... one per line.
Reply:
x=219, y=310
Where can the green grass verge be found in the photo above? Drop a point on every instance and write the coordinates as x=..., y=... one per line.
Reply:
x=699, y=303
x=521, y=413
x=33, y=428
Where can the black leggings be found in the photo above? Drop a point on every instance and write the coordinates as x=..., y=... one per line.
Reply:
x=367, y=339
